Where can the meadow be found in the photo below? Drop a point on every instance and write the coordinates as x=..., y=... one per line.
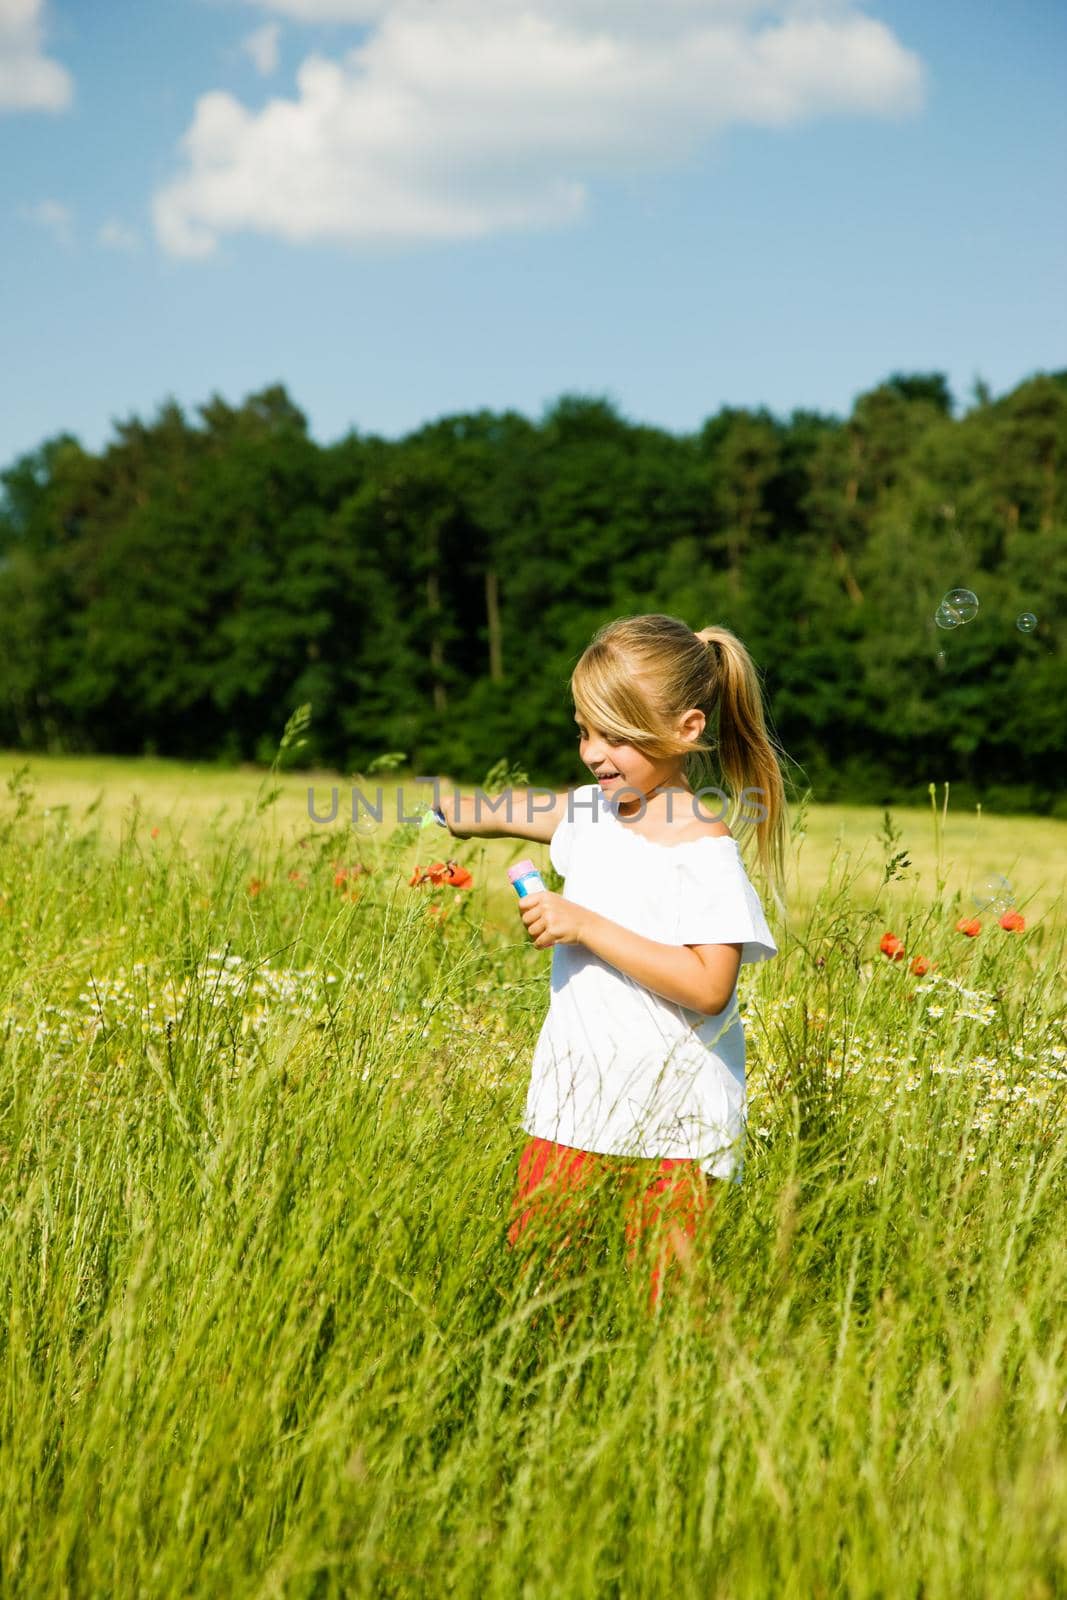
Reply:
x=259, y=1122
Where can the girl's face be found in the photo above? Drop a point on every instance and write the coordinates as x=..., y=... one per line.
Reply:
x=620, y=766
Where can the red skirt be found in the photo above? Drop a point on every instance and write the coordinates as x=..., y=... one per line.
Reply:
x=667, y=1192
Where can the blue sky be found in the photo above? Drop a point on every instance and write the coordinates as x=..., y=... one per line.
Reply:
x=404, y=208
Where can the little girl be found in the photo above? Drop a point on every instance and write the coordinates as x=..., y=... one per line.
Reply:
x=639, y=1069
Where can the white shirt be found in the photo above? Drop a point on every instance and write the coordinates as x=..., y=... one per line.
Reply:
x=617, y=1068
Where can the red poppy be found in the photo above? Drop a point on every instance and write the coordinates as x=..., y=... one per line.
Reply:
x=1013, y=921
x=892, y=947
x=920, y=966
x=970, y=926
x=442, y=872
x=155, y=833
x=341, y=872
x=295, y=877
x=255, y=885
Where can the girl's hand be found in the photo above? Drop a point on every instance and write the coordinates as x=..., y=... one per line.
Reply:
x=550, y=919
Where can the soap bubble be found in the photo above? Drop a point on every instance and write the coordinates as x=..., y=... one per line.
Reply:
x=959, y=605
x=964, y=602
x=1026, y=623
x=994, y=893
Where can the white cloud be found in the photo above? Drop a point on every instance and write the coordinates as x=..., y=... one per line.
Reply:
x=116, y=235
x=262, y=46
x=29, y=81
x=328, y=10
x=458, y=118
x=649, y=15
x=55, y=218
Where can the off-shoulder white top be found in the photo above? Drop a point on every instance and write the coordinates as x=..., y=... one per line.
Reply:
x=617, y=1068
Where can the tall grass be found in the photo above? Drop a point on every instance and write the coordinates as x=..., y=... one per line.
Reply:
x=263, y=1335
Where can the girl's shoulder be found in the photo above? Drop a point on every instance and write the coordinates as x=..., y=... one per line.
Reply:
x=714, y=899
x=704, y=827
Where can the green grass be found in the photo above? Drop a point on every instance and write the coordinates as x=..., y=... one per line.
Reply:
x=262, y=1332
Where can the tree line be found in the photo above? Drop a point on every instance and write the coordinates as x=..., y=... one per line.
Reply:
x=184, y=589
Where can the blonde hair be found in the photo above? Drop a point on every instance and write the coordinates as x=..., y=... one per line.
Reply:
x=640, y=674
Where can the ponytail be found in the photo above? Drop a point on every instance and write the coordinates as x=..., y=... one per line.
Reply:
x=748, y=756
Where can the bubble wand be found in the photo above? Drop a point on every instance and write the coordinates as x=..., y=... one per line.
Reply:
x=432, y=814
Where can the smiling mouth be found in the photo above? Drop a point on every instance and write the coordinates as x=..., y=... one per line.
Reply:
x=604, y=777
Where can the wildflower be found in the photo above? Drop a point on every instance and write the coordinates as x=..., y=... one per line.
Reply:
x=892, y=947
x=342, y=874
x=295, y=877
x=920, y=966
x=255, y=885
x=442, y=872
x=155, y=833
x=970, y=926
x=1013, y=921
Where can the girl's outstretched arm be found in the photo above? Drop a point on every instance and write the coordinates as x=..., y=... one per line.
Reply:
x=516, y=813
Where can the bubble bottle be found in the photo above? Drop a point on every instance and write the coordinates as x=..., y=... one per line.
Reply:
x=525, y=879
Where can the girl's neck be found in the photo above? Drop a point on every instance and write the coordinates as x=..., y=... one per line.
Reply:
x=649, y=794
